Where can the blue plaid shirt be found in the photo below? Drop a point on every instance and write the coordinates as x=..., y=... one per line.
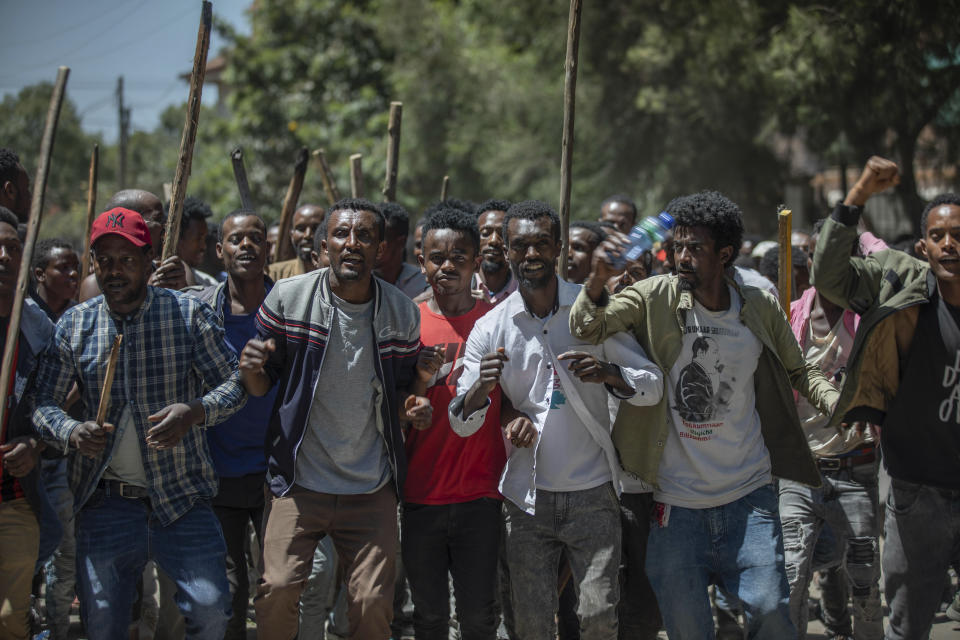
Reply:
x=173, y=350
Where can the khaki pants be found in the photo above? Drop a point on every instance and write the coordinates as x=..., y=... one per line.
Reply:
x=364, y=532
x=19, y=546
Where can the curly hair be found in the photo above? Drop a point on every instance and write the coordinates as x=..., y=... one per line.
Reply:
x=939, y=201
x=455, y=220
x=41, y=255
x=715, y=212
x=193, y=209
x=531, y=210
x=595, y=228
x=355, y=204
x=9, y=165
x=493, y=205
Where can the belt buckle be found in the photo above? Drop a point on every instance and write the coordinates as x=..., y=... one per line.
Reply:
x=830, y=464
x=133, y=490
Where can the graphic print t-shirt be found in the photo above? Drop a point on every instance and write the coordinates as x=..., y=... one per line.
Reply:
x=442, y=467
x=715, y=452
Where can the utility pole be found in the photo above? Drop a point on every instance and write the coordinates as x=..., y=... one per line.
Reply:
x=124, y=126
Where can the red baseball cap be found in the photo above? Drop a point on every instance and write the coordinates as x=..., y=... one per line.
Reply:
x=122, y=222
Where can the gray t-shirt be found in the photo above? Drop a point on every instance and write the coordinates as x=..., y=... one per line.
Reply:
x=342, y=451
x=126, y=465
x=715, y=452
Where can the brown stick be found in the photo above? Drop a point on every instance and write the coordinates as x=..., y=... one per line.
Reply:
x=240, y=174
x=393, y=151
x=784, y=230
x=329, y=186
x=182, y=175
x=91, y=209
x=108, y=380
x=285, y=250
x=33, y=226
x=569, y=105
x=445, y=188
x=356, y=175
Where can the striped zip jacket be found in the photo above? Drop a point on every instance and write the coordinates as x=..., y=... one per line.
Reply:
x=297, y=314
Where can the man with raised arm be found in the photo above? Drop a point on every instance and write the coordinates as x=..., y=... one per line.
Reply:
x=724, y=428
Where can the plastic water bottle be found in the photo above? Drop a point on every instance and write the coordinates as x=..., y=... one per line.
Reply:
x=645, y=236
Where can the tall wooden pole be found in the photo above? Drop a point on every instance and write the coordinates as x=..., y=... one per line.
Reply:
x=356, y=175
x=91, y=209
x=393, y=151
x=445, y=188
x=569, y=105
x=185, y=161
x=784, y=230
x=285, y=249
x=33, y=226
x=240, y=174
x=329, y=186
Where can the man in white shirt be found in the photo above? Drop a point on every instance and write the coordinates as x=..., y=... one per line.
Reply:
x=562, y=475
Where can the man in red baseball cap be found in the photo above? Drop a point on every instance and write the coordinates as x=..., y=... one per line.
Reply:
x=143, y=480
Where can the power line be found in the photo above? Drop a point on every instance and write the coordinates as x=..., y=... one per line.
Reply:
x=71, y=29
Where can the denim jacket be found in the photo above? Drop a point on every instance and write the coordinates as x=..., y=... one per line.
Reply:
x=653, y=310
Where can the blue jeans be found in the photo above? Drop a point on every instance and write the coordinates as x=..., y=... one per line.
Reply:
x=922, y=538
x=115, y=538
x=586, y=525
x=847, y=501
x=462, y=539
x=740, y=547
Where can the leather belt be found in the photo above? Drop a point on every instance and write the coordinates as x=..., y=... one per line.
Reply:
x=123, y=489
x=855, y=459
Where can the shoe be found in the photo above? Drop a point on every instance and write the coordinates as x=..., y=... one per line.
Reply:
x=953, y=611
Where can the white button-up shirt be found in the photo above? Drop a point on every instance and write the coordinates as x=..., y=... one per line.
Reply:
x=532, y=347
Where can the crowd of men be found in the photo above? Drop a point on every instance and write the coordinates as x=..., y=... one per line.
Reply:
x=529, y=456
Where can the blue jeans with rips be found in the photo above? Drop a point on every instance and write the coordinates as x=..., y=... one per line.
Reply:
x=922, y=537
x=737, y=545
x=586, y=525
x=115, y=538
x=847, y=502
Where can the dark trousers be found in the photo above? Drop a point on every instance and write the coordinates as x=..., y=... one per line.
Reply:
x=464, y=540
x=238, y=503
x=637, y=611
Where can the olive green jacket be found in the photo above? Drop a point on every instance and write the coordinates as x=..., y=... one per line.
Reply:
x=653, y=311
x=885, y=289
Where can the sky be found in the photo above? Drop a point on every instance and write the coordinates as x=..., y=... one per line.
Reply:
x=148, y=42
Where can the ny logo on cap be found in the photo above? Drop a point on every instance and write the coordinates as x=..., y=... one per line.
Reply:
x=115, y=220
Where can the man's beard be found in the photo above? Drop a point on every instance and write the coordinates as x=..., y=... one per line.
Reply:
x=529, y=282
x=346, y=275
x=489, y=267
x=690, y=283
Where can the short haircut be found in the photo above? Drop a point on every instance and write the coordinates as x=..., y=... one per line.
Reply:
x=7, y=216
x=769, y=266
x=621, y=199
x=397, y=219
x=455, y=220
x=463, y=205
x=939, y=201
x=9, y=165
x=593, y=227
x=194, y=209
x=41, y=255
x=493, y=205
x=239, y=213
x=354, y=204
x=531, y=210
x=715, y=212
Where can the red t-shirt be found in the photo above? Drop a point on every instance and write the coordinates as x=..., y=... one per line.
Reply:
x=444, y=468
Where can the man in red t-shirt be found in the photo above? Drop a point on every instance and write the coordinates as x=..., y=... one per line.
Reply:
x=451, y=511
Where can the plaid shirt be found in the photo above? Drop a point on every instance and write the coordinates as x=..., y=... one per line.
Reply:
x=173, y=350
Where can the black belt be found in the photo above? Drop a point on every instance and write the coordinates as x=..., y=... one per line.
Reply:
x=853, y=459
x=124, y=489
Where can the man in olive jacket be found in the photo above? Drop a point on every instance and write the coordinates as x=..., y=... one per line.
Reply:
x=716, y=515
x=903, y=373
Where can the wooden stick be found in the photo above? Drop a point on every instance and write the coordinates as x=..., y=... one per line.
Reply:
x=185, y=161
x=240, y=173
x=445, y=188
x=393, y=151
x=91, y=210
x=108, y=380
x=285, y=249
x=33, y=226
x=329, y=186
x=784, y=229
x=569, y=104
x=356, y=175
